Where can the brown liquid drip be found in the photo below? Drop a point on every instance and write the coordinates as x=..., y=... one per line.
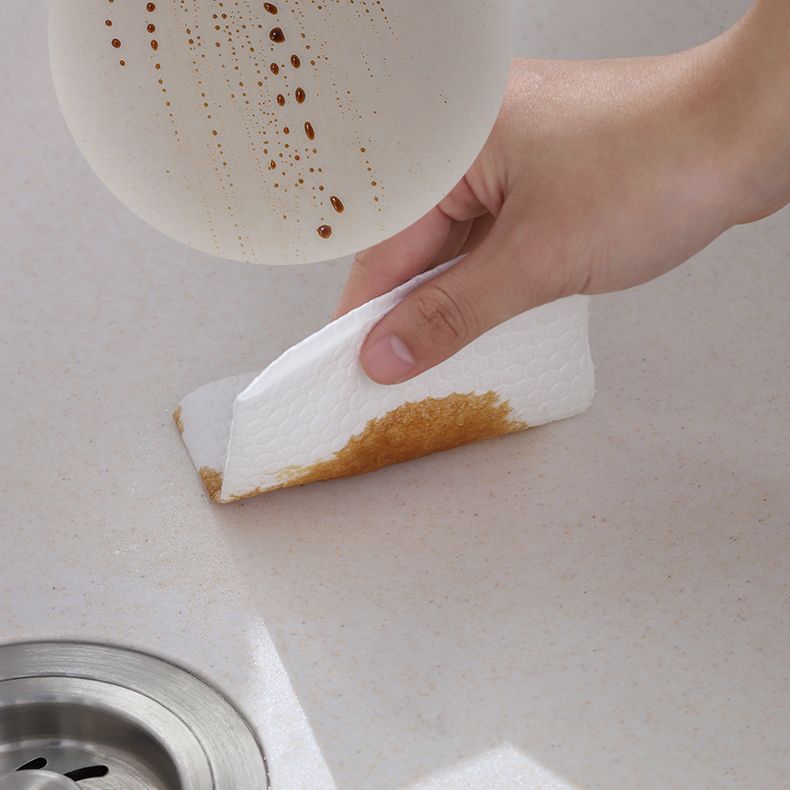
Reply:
x=324, y=231
x=337, y=204
x=154, y=45
x=276, y=35
x=300, y=96
x=309, y=131
x=270, y=7
x=275, y=69
x=151, y=7
x=295, y=62
x=116, y=43
x=108, y=22
x=151, y=28
x=280, y=99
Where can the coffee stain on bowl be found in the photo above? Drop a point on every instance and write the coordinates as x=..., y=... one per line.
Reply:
x=233, y=115
x=410, y=431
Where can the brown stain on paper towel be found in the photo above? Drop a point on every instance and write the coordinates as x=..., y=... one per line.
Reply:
x=178, y=420
x=212, y=480
x=410, y=431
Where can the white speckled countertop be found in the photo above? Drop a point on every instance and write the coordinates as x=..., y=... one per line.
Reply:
x=602, y=603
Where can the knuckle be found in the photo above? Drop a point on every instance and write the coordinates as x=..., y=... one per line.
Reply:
x=362, y=260
x=444, y=315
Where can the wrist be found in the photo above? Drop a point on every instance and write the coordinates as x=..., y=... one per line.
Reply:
x=751, y=76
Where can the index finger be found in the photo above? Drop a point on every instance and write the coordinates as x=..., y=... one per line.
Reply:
x=437, y=237
x=378, y=270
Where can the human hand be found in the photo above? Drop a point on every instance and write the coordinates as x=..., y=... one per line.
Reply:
x=598, y=176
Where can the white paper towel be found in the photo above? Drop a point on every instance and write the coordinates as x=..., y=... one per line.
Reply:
x=314, y=415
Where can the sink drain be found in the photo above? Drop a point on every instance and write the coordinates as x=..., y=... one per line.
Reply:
x=95, y=717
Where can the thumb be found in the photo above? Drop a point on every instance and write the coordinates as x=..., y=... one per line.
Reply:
x=447, y=313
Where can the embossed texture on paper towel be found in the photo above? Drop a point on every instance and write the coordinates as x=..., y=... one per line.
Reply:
x=314, y=415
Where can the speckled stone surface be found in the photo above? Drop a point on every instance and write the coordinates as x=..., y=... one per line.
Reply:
x=601, y=603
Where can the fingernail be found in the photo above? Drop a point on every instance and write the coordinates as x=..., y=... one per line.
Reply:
x=388, y=360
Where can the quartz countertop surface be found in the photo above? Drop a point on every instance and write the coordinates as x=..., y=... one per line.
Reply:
x=601, y=603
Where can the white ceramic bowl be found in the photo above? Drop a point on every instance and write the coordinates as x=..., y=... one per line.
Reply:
x=243, y=131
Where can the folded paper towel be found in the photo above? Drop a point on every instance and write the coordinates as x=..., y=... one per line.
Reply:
x=314, y=415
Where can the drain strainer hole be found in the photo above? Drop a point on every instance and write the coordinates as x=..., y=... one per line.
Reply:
x=90, y=772
x=77, y=775
x=34, y=765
